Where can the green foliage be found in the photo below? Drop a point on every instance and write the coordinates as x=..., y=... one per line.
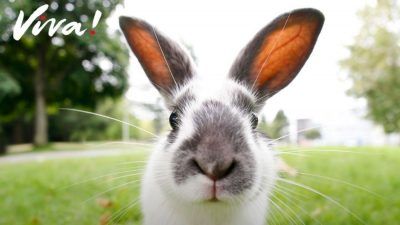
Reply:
x=277, y=128
x=3, y=143
x=374, y=63
x=8, y=86
x=312, y=134
x=79, y=71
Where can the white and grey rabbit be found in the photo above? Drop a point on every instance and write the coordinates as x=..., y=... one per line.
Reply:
x=214, y=167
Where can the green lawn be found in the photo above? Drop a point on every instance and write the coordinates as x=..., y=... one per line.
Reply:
x=55, y=192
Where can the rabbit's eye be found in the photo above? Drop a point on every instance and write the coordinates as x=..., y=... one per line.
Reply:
x=254, y=121
x=173, y=120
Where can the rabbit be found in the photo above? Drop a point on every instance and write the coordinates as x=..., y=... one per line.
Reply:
x=214, y=167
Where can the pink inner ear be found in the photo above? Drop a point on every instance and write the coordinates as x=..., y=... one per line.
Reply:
x=283, y=53
x=148, y=52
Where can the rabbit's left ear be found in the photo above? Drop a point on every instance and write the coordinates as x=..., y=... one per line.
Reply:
x=278, y=52
x=166, y=64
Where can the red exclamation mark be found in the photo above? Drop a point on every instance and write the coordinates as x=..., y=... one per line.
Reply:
x=96, y=20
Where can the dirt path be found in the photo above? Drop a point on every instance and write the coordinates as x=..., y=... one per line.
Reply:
x=42, y=156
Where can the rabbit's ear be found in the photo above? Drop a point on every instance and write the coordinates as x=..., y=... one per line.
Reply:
x=278, y=52
x=166, y=64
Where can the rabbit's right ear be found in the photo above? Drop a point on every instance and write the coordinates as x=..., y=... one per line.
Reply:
x=277, y=53
x=166, y=64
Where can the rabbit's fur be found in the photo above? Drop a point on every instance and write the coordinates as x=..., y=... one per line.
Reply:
x=214, y=167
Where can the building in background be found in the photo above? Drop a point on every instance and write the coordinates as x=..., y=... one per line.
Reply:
x=348, y=129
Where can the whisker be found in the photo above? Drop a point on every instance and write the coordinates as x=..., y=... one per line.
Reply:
x=289, y=198
x=275, y=189
x=165, y=59
x=131, y=162
x=343, y=182
x=101, y=176
x=266, y=96
x=297, y=132
x=323, y=195
x=111, y=189
x=124, y=176
x=110, y=118
x=291, y=153
x=270, y=52
x=273, y=217
x=120, y=213
x=327, y=151
x=121, y=142
x=290, y=191
x=282, y=212
x=290, y=209
x=161, y=88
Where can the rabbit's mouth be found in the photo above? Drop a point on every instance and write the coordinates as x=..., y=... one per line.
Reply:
x=215, y=191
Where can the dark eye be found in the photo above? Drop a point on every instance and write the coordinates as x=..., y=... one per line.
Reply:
x=254, y=121
x=173, y=120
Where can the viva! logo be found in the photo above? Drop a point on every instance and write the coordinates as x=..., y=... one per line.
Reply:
x=21, y=27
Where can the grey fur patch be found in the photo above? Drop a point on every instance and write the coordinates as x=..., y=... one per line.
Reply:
x=183, y=101
x=181, y=67
x=218, y=138
x=243, y=101
x=179, y=105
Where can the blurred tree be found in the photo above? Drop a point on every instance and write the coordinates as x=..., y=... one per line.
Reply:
x=277, y=128
x=44, y=73
x=279, y=125
x=2, y=141
x=8, y=88
x=263, y=125
x=312, y=134
x=374, y=63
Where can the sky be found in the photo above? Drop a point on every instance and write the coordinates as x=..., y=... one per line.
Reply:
x=218, y=30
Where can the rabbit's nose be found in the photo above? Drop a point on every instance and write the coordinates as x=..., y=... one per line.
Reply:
x=215, y=170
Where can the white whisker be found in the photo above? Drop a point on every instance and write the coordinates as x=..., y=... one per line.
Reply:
x=120, y=213
x=290, y=209
x=323, y=195
x=343, y=182
x=270, y=52
x=282, y=212
x=165, y=59
x=110, y=118
x=99, y=177
x=289, y=198
x=111, y=189
x=297, y=132
x=121, y=142
x=326, y=151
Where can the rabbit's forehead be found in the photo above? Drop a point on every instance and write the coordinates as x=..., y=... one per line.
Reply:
x=225, y=91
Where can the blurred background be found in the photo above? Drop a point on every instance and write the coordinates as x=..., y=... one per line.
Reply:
x=343, y=104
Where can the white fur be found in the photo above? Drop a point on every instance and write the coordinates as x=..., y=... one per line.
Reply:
x=165, y=203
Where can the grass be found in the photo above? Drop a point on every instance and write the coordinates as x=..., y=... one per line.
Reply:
x=374, y=169
x=55, y=192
